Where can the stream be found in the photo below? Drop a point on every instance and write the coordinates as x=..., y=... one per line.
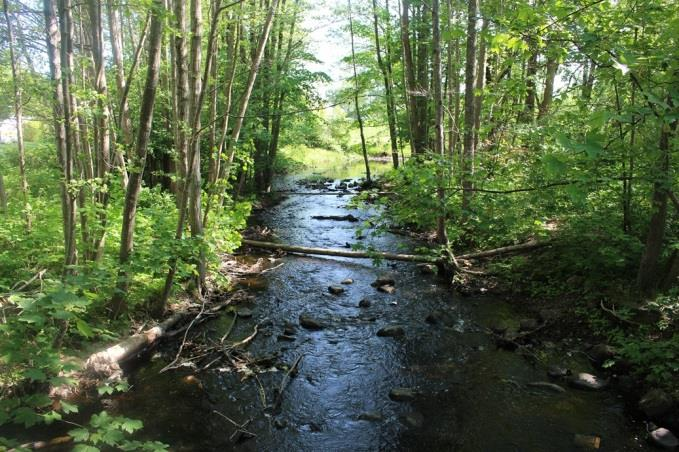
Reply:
x=463, y=394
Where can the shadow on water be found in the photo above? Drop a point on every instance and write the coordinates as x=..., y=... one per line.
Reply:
x=468, y=396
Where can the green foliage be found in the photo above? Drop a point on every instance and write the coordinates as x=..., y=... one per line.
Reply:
x=106, y=431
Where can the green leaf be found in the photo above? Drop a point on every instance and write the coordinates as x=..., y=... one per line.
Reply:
x=68, y=407
x=35, y=374
x=84, y=328
x=85, y=448
x=79, y=434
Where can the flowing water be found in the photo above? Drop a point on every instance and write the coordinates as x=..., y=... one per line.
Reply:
x=469, y=396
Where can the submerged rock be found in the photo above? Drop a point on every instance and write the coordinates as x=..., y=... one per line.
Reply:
x=427, y=269
x=656, y=402
x=664, y=438
x=558, y=372
x=244, y=313
x=414, y=420
x=588, y=381
x=387, y=289
x=336, y=290
x=391, y=331
x=600, y=353
x=310, y=323
x=587, y=441
x=347, y=281
x=402, y=394
x=434, y=317
x=286, y=338
x=372, y=416
x=546, y=385
x=384, y=281
x=364, y=303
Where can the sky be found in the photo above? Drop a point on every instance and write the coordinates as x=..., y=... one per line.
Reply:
x=328, y=43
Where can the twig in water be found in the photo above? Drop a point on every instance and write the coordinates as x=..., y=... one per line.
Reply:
x=240, y=428
x=286, y=381
x=186, y=333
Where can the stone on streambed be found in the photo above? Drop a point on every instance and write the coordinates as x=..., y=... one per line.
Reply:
x=364, y=303
x=347, y=281
x=384, y=281
x=402, y=394
x=286, y=338
x=558, y=372
x=414, y=420
x=336, y=290
x=664, y=438
x=588, y=381
x=655, y=403
x=372, y=416
x=600, y=353
x=244, y=313
x=391, y=331
x=310, y=323
x=387, y=289
x=587, y=441
x=427, y=269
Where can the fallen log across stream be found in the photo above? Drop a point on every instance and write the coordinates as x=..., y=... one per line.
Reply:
x=528, y=246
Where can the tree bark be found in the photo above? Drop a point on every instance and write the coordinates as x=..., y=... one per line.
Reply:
x=66, y=59
x=3, y=195
x=409, y=73
x=480, y=81
x=548, y=93
x=119, y=302
x=469, y=107
x=647, y=276
x=441, y=235
x=388, y=88
x=18, y=116
x=356, y=89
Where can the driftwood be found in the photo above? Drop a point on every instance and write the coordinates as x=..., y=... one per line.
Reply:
x=392, y=256
x=106, y=363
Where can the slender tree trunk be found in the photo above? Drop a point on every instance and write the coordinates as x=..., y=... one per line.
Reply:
x=356, y=104
x=528, y=114
x=409, y=74
x=3, y=195
x=66, y=58
x=102, y=122
x=181, y=96
x=124, y=121
x=245, y=99
x=480, y=81
x=18, y=116
x=649, y=266
x=439, y=147
x=119, y=302
x=254, y=68
x=548, y=94
x=469, y=107
x=388, y=89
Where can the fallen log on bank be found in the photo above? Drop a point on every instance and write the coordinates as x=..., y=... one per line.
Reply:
x=392, y=256
x=106, y=363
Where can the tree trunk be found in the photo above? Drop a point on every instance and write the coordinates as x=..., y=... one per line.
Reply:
x=66, y=58
x=528, y=113
x=356, y=89
x=103, y=145
x=469, y=107
x=441, y=234
x=647, y=276
x=388, y=89
x=409, y=73
x=480, y=81
x=119, y=302
x=548, y=94
x=3, y=195
x=18, y=116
